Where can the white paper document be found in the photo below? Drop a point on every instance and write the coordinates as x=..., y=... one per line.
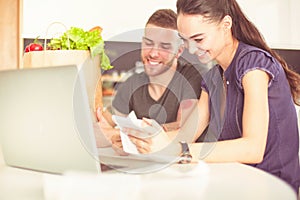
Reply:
x=153, y=131
x=131, y=121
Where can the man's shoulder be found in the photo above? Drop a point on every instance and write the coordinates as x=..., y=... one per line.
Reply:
x=133, y=82
x=182, y=64
x=188, y=69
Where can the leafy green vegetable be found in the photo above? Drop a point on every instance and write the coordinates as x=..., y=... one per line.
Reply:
x=78, y=39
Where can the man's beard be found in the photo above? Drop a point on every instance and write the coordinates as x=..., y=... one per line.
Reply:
x=166, y=66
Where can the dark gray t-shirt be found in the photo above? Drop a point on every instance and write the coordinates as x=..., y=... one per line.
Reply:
x=133, y=94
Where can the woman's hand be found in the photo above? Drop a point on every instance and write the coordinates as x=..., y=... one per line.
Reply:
x=148, y=144
x=143, y=145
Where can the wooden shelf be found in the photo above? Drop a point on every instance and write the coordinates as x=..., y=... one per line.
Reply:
x=10, y=46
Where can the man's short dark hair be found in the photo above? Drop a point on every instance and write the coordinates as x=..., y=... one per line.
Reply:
x=165, y=18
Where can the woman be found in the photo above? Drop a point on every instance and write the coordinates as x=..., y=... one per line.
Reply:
x=258, y=118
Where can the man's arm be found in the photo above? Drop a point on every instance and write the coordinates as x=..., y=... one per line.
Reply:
x=108, y=116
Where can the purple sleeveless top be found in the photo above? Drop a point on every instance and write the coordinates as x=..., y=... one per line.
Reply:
x=281, y=154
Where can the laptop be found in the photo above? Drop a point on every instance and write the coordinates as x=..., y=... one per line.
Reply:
x=46, y=123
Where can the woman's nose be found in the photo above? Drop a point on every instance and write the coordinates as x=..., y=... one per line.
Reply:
x=192, y=47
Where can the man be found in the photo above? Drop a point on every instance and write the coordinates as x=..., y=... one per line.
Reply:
x=166, y=90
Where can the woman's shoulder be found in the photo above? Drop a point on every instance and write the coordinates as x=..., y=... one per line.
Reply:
x=246, y=51
x=250, y=58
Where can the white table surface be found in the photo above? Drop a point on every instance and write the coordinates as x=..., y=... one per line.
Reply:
x=215, y=181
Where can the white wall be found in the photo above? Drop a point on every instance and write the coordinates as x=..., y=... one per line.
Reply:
x=278, y=20
x=114, y=16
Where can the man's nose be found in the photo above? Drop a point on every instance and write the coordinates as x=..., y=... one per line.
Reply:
x=154, y=51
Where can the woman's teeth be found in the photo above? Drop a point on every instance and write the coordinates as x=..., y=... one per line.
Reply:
x=201, y=53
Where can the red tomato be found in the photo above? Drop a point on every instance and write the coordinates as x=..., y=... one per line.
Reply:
x=34, y=47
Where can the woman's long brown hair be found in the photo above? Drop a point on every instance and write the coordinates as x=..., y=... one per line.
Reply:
x=242, y=29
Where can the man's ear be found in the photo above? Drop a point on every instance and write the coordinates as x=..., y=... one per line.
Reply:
x=227, y=22
x=180, y=51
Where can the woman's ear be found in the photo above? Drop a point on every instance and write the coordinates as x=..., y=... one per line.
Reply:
x=227, y=22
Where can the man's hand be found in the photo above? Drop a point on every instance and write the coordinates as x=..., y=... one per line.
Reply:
x=111, y=134
x=103, y=130
x=103, y=114
x=117, y=145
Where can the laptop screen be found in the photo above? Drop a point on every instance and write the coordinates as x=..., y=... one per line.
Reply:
x=46, y=120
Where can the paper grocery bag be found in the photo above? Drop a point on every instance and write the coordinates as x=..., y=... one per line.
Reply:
x=82, y=58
